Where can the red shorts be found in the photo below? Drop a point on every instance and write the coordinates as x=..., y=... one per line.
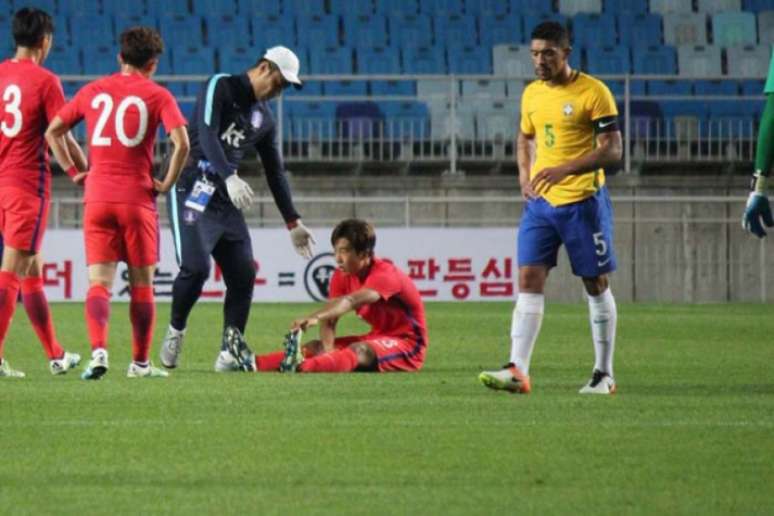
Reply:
x=118, y=232
x=392, y=353
x=23, y=219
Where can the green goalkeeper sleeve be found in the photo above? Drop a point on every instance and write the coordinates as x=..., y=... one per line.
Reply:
x=764, y=154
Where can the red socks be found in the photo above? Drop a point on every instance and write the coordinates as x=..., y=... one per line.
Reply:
x=36, y=305
x=269, y=362
x=142, y=313
x=97, y=310
x=339, y=361
x=9, y=291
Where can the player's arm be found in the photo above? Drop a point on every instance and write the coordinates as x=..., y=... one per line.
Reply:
x=269, y=151
x=608, y=152
x=757, y=213
x=328, y=333
x=179, y=138
x=525, y=151
x=57, y=140
x=209, y=114
x=337, y=307
x=76, y=152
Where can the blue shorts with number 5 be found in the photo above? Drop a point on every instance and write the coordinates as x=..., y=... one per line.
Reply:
x=585, y=228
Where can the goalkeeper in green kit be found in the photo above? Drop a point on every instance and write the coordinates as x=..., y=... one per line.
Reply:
x=758, y=212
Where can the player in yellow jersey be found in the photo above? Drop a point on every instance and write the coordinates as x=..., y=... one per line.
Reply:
x=568, y=132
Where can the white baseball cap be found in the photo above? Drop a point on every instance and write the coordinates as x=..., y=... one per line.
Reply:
x=286, y=61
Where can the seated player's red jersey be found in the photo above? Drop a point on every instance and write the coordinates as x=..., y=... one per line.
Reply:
x=30, y=96
x=399, y=313
x=122, y=112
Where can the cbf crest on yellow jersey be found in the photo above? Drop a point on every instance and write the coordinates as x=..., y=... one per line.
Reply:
x=560, y=119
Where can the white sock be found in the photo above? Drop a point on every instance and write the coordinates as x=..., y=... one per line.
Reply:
x=603, y=316
x=525, y=326
x=175, y=332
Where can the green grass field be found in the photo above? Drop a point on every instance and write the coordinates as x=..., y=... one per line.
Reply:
x=690, y=431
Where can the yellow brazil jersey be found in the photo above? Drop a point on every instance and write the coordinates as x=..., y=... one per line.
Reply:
x=560, y=118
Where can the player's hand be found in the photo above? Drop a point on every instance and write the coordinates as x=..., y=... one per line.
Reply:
x=239, y=192
x=527, y=192
x=303, y=239
x=548, y=177
x=80, y=178
x=757, y=213
x=160, y=187
x=303, y=323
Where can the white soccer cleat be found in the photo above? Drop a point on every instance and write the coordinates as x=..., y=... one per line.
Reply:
x=7, y=372
x=509, y=378
x=98, y=365
x=225, y=363
x=147, y=371
x=600, y=383
x=171, y=348
x=68, y=361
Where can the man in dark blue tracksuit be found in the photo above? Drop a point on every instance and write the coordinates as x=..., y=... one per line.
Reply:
x=232, y=115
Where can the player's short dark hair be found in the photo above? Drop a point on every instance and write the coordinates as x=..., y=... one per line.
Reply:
x=139, y=45
x=359, y=233
x=552, y=31
x=30, y=26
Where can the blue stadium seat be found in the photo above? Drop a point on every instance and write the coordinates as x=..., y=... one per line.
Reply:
x=68, y=7
x=193, y=61
x=670, y=87
x=317, y=30
x=365, y=31
x=593, y=30
x=494, y=30
x=237, y=59
x=47, y=5
x=455, y=30
x=532, y=6
x=123, y=7
x=685, y=29
x=441, y=7
x=766, y=27
x=99, y=60
x=250, y=8
x=532, y=20
x=168, y=7
x=484, y=89
x=470, y=60
x=757, y=6
x=61, y=29
x=716, y=6
x=608, y=60
x=182, y=30
x=424, y=60
x=654, y=60
x=64, y=60
x=748, y=61
x=683, y=119
x=397, y=7
x=125, y=21
x=699, y=60
x=270, y=30
x=311, y=120
x=626, y=6
x=212, y=8
x=359, y=120
x=733, y=119
x=640, y=29
x=400, y=88
x=354, y=88
x=716, y=88
x=92, y=29
x=406, y=120
x=487, y=7
x=378, y=60
x=573, y=7
x=411, y=30
x=733, y=29
x=305, y=7
x=228, y=31
x=752, y=87
x=618, y=88
x=352, y=7
x=330, y=60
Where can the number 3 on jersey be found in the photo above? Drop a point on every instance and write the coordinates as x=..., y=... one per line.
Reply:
x=105, y=102
x=12, y=98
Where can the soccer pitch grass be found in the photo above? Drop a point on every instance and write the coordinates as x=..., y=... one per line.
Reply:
x=690, y=431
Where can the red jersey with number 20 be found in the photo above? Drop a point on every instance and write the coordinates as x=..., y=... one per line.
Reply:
x=398, y=313
x=30, y=96
x=122, y=112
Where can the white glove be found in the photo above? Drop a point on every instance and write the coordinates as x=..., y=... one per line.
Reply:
x=302, y=239
x=239, y=192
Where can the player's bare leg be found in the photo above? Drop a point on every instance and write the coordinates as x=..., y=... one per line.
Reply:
x=603, y=316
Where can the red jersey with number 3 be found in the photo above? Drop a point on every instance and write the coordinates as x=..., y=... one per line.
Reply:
x=398, y=313
x=30, y=96
x=123, y=113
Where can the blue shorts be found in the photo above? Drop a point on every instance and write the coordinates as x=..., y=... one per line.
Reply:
x=584, y=227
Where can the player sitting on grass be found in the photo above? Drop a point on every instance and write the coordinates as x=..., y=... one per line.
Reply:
x=377, y=291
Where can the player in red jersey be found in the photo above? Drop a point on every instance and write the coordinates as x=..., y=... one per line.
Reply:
x=123, y=112
x=30, y=96
x=378, y=292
